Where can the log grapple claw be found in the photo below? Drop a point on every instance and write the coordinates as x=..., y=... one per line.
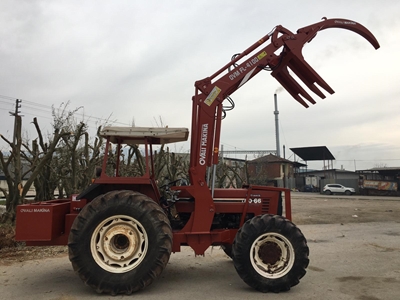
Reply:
x=292, y=58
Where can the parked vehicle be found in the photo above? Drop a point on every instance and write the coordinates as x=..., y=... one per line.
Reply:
x=335, y=188
x=309, y=188
x=378, y=187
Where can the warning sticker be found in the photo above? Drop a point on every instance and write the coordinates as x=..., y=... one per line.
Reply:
x=261, y=55
x=212, y=96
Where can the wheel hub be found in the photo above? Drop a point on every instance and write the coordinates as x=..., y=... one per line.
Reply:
x=272, y=255
x=119, y=244
x=121, y=241
x=269, y=253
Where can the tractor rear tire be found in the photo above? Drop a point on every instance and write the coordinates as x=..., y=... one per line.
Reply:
x=227, y=248
x=120, y=242
x=270, y=253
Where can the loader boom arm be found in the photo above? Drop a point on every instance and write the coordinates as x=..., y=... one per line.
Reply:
x=210, y=92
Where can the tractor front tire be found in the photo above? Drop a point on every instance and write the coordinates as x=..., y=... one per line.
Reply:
x=270, y=253
x=120, y=242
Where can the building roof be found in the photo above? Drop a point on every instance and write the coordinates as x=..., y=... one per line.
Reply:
x=313, y=153
x=327, y=171
x=388, y=171
x=234, y=159
x=270, y=158
x=380, y=169
x=299, y=164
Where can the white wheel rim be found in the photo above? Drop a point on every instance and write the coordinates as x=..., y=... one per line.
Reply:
x=119, y=244
x=272, y=255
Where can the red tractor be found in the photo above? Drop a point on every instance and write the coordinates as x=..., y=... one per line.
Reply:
x=121, y=231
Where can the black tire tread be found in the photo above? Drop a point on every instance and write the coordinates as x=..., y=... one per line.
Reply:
x=146, y=209
x=227, y=248
x=245, y=238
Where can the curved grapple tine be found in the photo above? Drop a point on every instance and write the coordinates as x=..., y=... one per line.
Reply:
x=292, y=58
x=344, y=24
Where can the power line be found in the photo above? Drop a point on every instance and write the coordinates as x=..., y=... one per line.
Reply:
x=44, y=108
x=35, y=115
x=37, y=104
x=7, y=97
x=38, y=109
x=8, y=103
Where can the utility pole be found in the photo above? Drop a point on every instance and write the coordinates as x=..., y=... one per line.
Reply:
x=16, y=114
x=16, y=150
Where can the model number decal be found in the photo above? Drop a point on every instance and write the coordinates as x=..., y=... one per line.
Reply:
x=255, y=200
x=250, y=64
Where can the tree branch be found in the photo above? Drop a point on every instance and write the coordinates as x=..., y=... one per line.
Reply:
x=39, y=132
x=44, y=160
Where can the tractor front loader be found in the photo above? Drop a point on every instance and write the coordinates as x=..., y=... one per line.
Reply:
x=121, y=231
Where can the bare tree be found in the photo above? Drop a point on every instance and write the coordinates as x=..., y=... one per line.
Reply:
x=11, y=167
x=77, y=160
x=38, y=160
x=173, y=166
x=77, y=156
x=231, y=175
x=66, y=160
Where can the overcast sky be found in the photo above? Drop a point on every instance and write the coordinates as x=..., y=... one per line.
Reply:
x=138, y=60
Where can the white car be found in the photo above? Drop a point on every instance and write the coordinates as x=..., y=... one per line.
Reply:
x=335, y=188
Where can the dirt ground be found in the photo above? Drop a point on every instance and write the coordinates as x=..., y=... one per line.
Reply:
x=14, y=252
x=307, y=208
x=311, y=208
